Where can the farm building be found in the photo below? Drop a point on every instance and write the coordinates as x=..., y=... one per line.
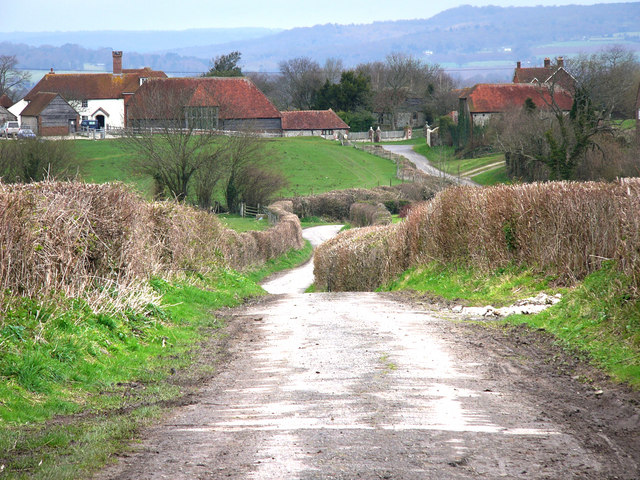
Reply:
x=408, y=114
x=484, y=100
x=318, y=123
x=97, y=96
x=225, y=103
x=546, y=75
x=6, y=115
x=49, y=114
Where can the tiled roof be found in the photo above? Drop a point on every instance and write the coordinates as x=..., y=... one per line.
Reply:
x=551, y=74
x=38, y=103
x=86, y=86
x=5, y=101
x=312, y=120
x=491, y=98
x=236, y=97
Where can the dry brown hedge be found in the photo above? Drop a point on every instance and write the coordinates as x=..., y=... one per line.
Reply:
x=562, y=228
x=367, y=214
x=336, y=204
x=71, y=237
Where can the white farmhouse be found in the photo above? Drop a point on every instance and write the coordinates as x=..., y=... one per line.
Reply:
x=97, y=96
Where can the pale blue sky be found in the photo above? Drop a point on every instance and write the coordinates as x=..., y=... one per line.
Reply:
x=71, y=15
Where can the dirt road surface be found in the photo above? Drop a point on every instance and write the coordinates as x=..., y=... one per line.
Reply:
x=370, y=386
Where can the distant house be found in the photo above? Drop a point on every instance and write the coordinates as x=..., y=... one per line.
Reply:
x=546, y=75
x=97, y=96
x=410, y=113
x=484, y=100
x=318, y=123
x=6, y=115
x=16, y=108
x=49, y=114
x=225, y=103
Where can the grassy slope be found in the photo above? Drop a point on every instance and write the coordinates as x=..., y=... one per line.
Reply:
x=106, y=161
x=312, y=165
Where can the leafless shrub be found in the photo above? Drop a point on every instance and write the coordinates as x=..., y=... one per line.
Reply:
x=258, y=184
x=367, y=214
x=337, y=204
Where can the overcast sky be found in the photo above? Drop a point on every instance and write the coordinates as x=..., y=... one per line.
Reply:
x=70, y=15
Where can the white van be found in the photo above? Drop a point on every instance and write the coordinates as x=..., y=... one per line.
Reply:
x=9, y=129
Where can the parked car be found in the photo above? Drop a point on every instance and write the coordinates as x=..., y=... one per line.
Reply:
x=89, y=125
x=26, y=133
x=9, y=129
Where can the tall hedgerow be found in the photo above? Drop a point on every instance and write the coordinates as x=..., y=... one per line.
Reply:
x=567, y=229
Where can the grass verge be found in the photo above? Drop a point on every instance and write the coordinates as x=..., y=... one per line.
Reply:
x=76, y=385
x=598, y=317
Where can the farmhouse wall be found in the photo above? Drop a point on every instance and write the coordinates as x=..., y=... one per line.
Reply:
x=255, y=124
x=113, y=111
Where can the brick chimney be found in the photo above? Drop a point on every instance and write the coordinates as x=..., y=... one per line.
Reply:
x=117, y=63
x=560, y=62
x=547, y=62
x=519, y=65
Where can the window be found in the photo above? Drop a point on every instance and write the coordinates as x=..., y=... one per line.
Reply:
x=85, y=103
x=85, y=117
x=201, y=118
x=143, y=79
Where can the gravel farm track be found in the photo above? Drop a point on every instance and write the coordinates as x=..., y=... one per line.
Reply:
x=385, y=386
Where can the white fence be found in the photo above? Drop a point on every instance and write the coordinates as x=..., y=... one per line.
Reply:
x=385, y=136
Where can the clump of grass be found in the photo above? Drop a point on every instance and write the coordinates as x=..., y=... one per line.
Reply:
x=470, y=286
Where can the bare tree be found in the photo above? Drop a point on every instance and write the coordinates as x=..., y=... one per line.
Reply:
x=243, y=151
x=12, y=80
x=274, y=87
x=610, y=78
x=301, y=78
x=401, y=77
x=332, y=69
x=172, y=140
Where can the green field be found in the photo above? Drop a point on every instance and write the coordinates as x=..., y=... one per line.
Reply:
x=312, y=165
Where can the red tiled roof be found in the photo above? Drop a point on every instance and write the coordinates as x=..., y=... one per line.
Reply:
x=237, y=97
x=552, y=74
x=5, y=101
x=38, y=103
x=85, y=86
x=491, y=98
x=312, y=120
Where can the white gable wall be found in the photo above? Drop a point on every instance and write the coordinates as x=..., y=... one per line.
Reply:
x=17, y=108
x=113, y=107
